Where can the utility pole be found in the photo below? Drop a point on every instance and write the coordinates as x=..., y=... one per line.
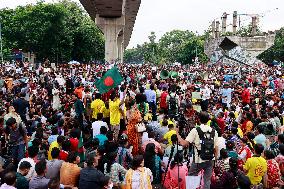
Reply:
x=1, y=45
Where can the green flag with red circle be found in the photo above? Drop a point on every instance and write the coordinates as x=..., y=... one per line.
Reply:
x=110, y=80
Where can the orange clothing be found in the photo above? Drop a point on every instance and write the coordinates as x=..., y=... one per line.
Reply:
x=69, y=174
x=9, y=83
x=79, y=92
x=133, y=135
x=247, y=126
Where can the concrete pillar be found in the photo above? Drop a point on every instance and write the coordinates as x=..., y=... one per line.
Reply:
x=111, y=27
x=224, y=23
x=235, y=19
x=217, y=33
x=254, y=26
x=119, y=47
x=213, y=29
x=122, y=51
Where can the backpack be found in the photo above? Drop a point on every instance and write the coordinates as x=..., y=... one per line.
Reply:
x=173, y=103
x=207, y=144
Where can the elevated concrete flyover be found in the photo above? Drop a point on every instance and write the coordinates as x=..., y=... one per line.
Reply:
x=116, y=19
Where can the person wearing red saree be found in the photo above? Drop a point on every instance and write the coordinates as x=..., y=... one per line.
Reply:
x=133, y=117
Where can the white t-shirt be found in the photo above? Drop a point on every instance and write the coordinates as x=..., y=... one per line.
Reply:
x=205, y=93
x=96, y=126
x=221, y=143
x=144, y=137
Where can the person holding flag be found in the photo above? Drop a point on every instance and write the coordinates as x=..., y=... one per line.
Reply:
x=115, y=111
x=111, y=79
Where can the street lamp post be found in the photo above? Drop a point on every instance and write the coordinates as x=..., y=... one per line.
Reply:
x=1, y=45
x=196, y=57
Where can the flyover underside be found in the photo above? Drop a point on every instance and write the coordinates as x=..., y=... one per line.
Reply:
x=116, y=19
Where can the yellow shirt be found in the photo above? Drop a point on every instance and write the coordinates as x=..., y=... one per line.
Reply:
x=106, y=112
x=209, y=123
x=217, y=82
x=147, y=86
x=240, y=132
x=114, y=112
x=236, y=115
x=54, y=144
x=169, y=122
x=168, y=136
x=97, y=107
x=256, y=167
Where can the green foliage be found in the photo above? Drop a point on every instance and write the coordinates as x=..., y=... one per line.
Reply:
x=134, y=55
x=58, y=31
x=175, y=46
x=276, y=52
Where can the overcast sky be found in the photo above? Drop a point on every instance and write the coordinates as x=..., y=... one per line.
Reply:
x=161, y=16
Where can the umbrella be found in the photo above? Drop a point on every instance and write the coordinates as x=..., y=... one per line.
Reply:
x=74, y=62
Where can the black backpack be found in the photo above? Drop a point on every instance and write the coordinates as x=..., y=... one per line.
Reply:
x=207, y=144
x=173, y=103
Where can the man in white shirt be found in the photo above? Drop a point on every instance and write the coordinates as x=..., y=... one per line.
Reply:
x=205, y=92
x=32, y=151
x=96, y=126
x=194, y=139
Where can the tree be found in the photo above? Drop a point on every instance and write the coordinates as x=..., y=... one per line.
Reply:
x=276, y=52
x=182, y=46
x=174, y=46
x=172, y=43
x=134, y=55
x=60, y=31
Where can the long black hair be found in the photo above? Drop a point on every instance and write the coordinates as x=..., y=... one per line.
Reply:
x=110, y=160
x=177, y=159
x=233, y=162
x=149, y=157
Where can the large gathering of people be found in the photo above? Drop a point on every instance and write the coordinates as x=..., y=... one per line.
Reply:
x=160, y=127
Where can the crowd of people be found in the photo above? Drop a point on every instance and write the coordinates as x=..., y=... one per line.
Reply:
x=221, y=122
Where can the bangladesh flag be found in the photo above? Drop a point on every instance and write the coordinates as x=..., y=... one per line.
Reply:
x=110, y=80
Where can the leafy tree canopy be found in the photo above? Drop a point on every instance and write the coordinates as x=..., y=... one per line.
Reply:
x=174, y=46
x=59, y=31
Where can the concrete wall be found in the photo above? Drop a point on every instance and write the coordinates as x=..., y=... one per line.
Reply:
x=254, y=45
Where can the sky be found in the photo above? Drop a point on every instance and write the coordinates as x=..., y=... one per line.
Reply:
x=162, y=16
